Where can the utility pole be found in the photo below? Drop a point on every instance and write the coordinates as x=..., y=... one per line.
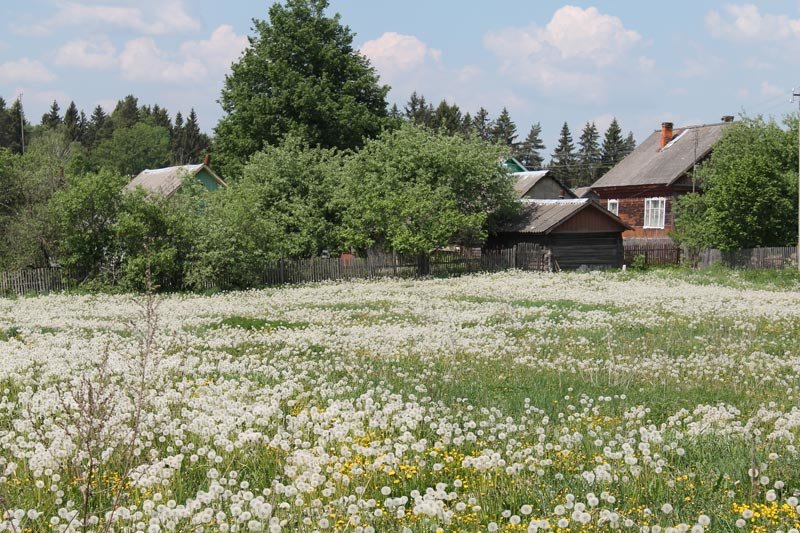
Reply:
x=796, y=96
x=21, y=123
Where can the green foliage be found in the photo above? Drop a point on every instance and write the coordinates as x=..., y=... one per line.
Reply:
x=504, y=131
x=413, y=190
x=84, y=215
x=750, y=186
x=615, y=148
x=301, y=76
x=589, y=156
x=563, y=162
x=529, y=152
x=133, y=149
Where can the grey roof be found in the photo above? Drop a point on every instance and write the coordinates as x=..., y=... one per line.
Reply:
x=583, y=192
x=649, y=165
x=165, y=181
x=526, y=180
x=543, y=216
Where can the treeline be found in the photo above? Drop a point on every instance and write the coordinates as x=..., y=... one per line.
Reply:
x=129, y=139
x=575, y=166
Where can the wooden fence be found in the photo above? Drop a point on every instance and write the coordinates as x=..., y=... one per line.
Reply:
x=36, y=280
x=660, y=254
x=651, y=255
x=374, y=265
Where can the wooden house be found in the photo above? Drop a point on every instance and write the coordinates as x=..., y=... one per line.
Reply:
x=167, y=181
x=642, y=188
x=577, y=231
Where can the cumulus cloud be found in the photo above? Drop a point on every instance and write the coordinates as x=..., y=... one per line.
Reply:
x=770, y=90
x=24, y=70
x=571, y=51
x=142, y=59
x=742, y=22
x=150, y=17
x=96, y=54
x=394, y=53
x=218, y=51
x=573, y=32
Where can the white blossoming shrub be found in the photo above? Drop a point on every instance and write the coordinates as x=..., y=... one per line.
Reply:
x=506, y=402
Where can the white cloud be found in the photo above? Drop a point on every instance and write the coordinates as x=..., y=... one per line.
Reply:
x=741, y=22
x=573, y=32
x=701, y=66
x=25, y=71
x=770, y=90
x=142, y=60
x=570, y=53
x=96, y=54
x=150, y=17
x=220, y=50
x=394, y=53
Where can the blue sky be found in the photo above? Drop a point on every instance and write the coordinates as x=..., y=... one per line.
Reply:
x=546, y=61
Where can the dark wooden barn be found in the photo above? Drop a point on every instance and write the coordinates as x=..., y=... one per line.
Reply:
x=577, y=232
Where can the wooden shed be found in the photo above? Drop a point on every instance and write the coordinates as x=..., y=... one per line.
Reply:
x=167, y=181
x=578, y=231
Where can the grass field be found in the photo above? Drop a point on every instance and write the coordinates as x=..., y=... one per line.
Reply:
x=507, y=402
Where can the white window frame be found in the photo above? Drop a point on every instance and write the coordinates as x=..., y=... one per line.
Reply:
x=655, y=212
x=613, y=206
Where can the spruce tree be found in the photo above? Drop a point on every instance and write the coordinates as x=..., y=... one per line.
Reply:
x=630, y=143
x=96, y=129
x=613, y=147
x=504, y=130
x=126, y=114
x=589, y=156
x=418, y=111
x=72, y=122
x=466, y=125
x=52, y=118
x=196, y=142
x=447, y=118
x=178, y=140
x=6, y=125
x=563, y=158
x=17, y=122
x=159, y=116
x=482, y=124
x=529, y=151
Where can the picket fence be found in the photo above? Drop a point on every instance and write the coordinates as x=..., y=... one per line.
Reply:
x=374, y=265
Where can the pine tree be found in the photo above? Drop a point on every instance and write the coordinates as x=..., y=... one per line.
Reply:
x=6, y=125
x=504, y=130
x=482, y=124
x=613, y=147
x=178, y=140
x=52, y=118
x=466, y=125
x=447, y=118
x=563, y=159
x=529, y=152
x=18, y=122
x=418, y=111
x=589, y=156
x=630, y=143
x=395, y=113
x=126, y=114
x=196, y=142
x=72, y=119
x=97, y=128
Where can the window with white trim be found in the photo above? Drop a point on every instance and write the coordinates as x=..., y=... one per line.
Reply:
x=613, y=206
x=655, y=212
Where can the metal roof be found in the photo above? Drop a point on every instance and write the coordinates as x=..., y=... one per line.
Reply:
x=543, y=216
x=165, y=181
x=526, y=180
x=650, y=165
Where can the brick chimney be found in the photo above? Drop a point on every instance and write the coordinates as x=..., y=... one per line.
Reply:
x=666, y=133
x=207, y=160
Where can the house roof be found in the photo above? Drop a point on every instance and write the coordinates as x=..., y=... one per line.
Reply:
x=166, y=181
x=525, y=181
x=543, y=216
x=650, y=165
x=583, y=192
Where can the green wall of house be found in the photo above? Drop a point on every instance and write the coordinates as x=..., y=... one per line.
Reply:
x=208, y=180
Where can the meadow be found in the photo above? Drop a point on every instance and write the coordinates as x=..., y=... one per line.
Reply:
x=506, y=402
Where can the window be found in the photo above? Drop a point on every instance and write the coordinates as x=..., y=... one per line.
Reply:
x=654, y=212
x=613, y=206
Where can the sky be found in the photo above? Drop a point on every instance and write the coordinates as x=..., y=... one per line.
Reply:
x=687, y=62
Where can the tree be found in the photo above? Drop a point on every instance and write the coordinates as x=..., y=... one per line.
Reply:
x=72, y=123
x=413, y=190
x=630, y=143
x=418, y=111
x=52, y=118
x=300, y=75
x=563, y=159
x=83, y=215
x=482, y=124
x=131, y=150
x=613, y=150
x=589, y=156
x=750, y=190
x=504, y=131
x=126, y=113
x=196, y=143
x=18, y=123
x=529, y=152
x=96, y=129
x=447, y=118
